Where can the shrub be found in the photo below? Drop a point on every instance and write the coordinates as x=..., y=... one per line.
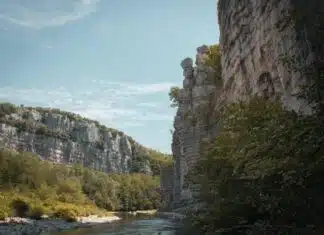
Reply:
x=20, y=207
x=65, y=213
x=37, y=212
x=24, y=176
x=266, y=165
x=174, y=96
x=7, y=108
x=3, y=214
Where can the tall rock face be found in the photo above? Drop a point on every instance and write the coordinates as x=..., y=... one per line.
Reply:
x=191, y=123
x=67, y=138
x=258, y=36
x=166, y=187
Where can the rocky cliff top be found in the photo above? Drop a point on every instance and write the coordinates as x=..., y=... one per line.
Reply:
x=66, y=137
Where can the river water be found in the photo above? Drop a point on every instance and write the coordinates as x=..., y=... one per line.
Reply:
x=131, y=226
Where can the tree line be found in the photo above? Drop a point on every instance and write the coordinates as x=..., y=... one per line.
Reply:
x=46, y=186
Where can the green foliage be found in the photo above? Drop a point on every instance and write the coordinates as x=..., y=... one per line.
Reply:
x=266, y=165
x=3, y=214
x=7, y=109
x=174, y=96
x=36, y=212
x=66, y=214
x=214, y=61
x=155, y=159
x=20, y=207
x=214, y=57
x=45, y=186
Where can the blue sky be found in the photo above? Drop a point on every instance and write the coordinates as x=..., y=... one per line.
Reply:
x=113, y=61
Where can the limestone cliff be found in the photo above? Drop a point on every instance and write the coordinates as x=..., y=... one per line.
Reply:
x=255, y=38
x=192, y=123
x=64, y=137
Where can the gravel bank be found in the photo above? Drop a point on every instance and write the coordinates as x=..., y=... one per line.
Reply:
x=23, y=226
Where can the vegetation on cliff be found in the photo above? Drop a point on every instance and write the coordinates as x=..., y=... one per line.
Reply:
x=30, y=185
x=266, y=166
x=212, y=60
x=174, y=96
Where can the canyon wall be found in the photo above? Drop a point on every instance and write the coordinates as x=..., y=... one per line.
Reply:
x=191, y=123
x=67, y=138
x=256, y=38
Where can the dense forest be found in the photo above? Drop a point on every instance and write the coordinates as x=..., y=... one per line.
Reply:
x=32, y=187
x=265, y=168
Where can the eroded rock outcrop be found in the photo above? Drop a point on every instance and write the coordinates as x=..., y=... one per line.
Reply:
x=67, y=138
x=191, y=123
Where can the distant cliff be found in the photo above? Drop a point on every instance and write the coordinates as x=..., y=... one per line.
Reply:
x=64, y=137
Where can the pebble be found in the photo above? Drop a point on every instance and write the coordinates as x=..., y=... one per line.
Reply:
x=24, y=226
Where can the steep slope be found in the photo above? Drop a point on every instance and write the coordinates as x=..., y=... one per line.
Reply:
x=64, y=137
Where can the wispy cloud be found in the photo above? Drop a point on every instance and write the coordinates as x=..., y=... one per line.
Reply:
x=134, y=88
x=38, y=14
x=111, y=103
x=148, y=104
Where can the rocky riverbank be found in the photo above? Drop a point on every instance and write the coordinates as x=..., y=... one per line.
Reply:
x=23, y=226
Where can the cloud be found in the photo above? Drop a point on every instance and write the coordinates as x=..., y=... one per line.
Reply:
x=113, y=104
x=38, y=14
x=148, y=104
x=136, y=89
x=149, y=88
x=48, y=46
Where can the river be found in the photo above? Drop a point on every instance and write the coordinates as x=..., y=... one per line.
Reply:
x=130, y=226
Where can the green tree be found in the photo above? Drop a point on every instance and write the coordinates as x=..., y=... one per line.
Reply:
x=174, y=96
x=265, y=165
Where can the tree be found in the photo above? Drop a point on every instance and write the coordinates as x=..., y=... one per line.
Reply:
x=214, y=57
x=174, y=96
x=266, y=165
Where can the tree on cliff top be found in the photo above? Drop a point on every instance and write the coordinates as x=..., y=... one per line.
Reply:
x=214, y=57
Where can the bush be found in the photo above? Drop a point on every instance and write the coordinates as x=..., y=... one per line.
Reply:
x=37, y=212
x=20, y=207
x=43, y=183
x=67, y=214
x=266, y=165
x=3, y=214
x=7, y=108
x=174, y=96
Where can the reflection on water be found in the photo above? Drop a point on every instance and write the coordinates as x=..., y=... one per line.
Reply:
x=133, y=226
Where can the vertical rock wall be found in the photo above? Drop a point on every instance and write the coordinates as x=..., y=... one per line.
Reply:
x=166, y=187
x=191, y=124
x=256, y=37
